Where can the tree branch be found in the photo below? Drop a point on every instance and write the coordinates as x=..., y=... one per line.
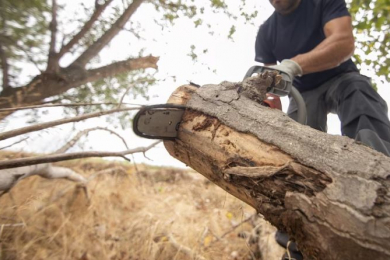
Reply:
x=10, y=177
x=17, y=142
x=122, y=66
x=12, y=109
x=7, y=164
x=87, y=26
x=37, y=127
x=80, y=134
x=4, y=67
x=52, y=62
x=98, y=45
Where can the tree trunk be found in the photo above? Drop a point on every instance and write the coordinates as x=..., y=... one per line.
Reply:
x=330, y=193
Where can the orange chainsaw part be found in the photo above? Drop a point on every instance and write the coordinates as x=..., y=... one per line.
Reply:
x=273, y=101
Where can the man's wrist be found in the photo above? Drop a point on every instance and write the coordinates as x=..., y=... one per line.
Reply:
x=293, y=67
x=297, y=59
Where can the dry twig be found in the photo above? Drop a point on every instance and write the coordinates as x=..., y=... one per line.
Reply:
x=12, y=109
x=17, y=142
x=7, y=164
x=37, y=127
x=80, y=134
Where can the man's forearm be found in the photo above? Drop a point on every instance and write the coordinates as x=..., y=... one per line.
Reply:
x=327, y=55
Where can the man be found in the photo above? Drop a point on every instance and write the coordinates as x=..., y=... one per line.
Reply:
x=313, y=41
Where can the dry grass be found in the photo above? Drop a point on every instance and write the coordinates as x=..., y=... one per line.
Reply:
x=145, y=214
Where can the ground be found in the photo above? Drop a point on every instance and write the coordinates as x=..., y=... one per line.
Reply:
x=128, y=212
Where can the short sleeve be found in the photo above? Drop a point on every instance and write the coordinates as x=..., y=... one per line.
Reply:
x=333, y=9
x=263, y=48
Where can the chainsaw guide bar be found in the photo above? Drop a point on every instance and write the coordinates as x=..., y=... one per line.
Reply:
x=158, y=121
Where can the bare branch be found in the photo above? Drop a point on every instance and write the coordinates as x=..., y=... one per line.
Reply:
x=52, y=62
x=10, y=177
x=97, y=46
x=63, y=192
x=4, y=67
x=13, y=225
x=236, y=226
x=37, y=127
x=8, y=164
x=122, y=66
x=17, y=142
x=124, y=94
x=87, y=26
x=80, y=134
x=12, y=109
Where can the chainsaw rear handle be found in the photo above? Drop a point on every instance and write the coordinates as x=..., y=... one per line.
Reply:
x=284, y=88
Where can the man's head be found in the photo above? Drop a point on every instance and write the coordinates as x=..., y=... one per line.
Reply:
x=285, y=6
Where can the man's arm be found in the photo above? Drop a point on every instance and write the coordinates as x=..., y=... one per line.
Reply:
x=338, y=47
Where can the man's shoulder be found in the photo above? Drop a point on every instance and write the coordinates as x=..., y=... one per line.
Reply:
x=267, y=24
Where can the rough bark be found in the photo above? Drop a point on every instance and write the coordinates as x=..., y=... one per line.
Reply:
x=330, y=193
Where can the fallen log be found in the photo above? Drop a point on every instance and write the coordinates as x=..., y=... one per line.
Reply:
x=330, y=193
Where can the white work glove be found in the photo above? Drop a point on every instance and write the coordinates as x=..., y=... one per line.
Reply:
x=290, y=67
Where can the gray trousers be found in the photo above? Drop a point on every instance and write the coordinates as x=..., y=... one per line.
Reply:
x=361, y=110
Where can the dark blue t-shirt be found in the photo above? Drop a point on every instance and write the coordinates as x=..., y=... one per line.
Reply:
x=284, y=37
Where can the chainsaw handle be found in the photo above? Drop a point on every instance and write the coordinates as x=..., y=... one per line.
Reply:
x=289, y=90
x=301, y=113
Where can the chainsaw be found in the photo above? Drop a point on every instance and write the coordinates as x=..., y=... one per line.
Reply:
x=162, y=121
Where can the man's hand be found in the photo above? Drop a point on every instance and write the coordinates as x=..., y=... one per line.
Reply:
x=290, y=67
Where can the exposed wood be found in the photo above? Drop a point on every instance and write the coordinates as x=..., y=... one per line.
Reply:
x=330, y=193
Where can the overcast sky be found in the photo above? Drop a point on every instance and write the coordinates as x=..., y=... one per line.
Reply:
x=224, y=60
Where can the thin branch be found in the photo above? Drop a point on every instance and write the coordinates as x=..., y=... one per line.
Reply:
x=17, y=142
x=8, y=164
x=99, y=44
x=4, y=67
x=13, y=225
x=230, y=230
x=124, y=94
x=80, y=134
x=12, y=109
x=52, y=62
x=87, y=26
x=37, y=127
x=122, y=66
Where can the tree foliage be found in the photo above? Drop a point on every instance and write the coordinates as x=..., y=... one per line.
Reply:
x=23, y=30
x=372, y=30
